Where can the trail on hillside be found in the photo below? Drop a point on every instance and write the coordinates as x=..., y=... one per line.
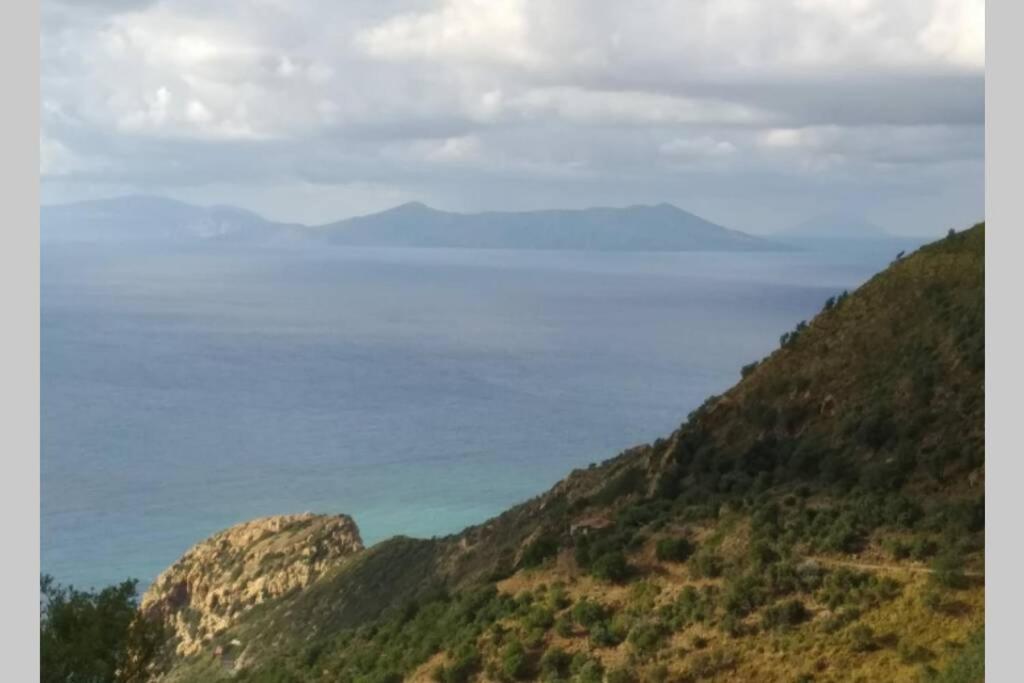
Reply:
x=881, y=567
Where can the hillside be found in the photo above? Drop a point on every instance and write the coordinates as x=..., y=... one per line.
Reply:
x=636, y=228
x=823, y=520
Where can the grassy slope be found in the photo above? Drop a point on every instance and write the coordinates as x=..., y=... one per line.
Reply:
x=833, y=475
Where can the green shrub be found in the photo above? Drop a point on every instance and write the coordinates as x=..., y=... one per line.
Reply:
x=948, y=570
x=514, y=663
x=586, y=669
x=611, y=566
x=554, y=665
x=621, y=675
x=785, y=615
x=586, y=613
x=540, y=549
x=674, y=549
x=743, y=595
x=92, y=636
x=462, y=669
x=646, y=636
x=706, y=564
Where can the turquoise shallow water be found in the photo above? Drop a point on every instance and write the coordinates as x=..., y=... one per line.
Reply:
x=417, y=390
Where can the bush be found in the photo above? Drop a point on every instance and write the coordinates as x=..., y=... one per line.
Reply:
x=462, y=670
x=948, y=571
x=621, y=675
x=587, y=613
x=95, y=636
x=899, y=550
x=555, y=664
x=586, y=669
x=646, y=636
x=785, y=615
x=706, y=564
x=611, y=566
x=514, y=663
x=744, y=595
x=540, y=549
x=674, y=550
x=922, y=548
x=862, y=638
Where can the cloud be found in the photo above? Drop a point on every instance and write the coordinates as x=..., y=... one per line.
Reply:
x=457, y=101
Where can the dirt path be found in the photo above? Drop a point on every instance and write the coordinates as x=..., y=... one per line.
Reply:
x=875, y=567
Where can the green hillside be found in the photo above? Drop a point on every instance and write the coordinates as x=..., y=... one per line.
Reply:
x=823, y=520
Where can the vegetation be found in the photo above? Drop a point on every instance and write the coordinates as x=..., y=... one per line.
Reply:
x=821, y=520
x=95, y=635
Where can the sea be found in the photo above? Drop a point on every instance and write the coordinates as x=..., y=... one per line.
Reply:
x=187, y=388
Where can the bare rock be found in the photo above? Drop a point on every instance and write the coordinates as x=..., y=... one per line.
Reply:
x=221, y=578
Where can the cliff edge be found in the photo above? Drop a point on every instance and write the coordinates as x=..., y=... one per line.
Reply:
x=218, y=580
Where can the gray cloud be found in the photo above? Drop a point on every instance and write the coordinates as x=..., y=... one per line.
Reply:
x=755, y=114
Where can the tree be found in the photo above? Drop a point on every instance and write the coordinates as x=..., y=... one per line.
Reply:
x=95, y=636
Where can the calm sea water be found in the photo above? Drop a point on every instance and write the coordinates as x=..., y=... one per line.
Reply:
x=417, y=390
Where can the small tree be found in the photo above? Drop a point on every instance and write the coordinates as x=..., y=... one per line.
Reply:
x=95, y=635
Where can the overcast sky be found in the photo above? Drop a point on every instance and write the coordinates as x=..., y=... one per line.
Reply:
x=753, y=113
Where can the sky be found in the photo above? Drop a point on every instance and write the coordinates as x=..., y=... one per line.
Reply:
x=755, y=114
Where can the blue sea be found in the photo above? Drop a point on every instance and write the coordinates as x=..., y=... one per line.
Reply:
x=187, y=389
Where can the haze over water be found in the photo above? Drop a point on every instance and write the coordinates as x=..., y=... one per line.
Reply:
x=420, y=391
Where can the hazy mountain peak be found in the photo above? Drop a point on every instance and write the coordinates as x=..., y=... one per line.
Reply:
x=657, y=227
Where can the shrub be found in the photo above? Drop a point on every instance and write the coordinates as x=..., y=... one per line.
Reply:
x=899, y=550
x=922, y=548
x=674, y=550
x=705, y=665
x=611, y=566
x=555, y=664
x=744, y=595
x=646, y=636
x=621, y=675
x=862, y=638
x=540, y=549
x=586, y=669
x=785, y=615
x=514, y=663
x=88, y=636
x=948, y=570
x=706, y=564
x=602, y=634
x=588, y=613
x=462, y=670
x=540, y=617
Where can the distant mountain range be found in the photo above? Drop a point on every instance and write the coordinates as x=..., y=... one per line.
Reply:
x=138, y=219
x=662, y=227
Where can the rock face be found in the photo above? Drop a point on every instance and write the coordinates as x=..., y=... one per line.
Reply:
x=219, y=579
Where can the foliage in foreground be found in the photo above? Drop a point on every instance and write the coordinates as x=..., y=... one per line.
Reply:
x=95, y=636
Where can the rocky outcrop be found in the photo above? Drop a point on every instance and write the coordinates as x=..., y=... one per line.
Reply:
x=219, y=579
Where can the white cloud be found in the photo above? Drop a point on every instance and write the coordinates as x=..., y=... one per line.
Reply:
x=454, y=94
x=697, y=148
x=461, y=30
